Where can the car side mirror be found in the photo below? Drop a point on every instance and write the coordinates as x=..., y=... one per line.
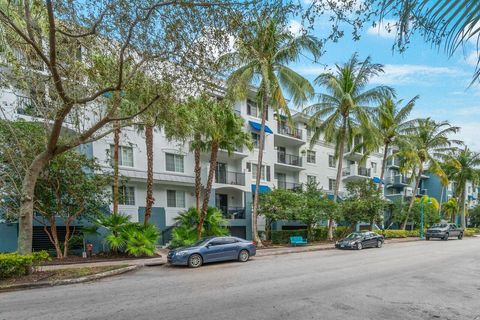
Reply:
x=208, y=246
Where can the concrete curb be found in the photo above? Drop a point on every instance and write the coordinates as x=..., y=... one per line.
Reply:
x=88, y=278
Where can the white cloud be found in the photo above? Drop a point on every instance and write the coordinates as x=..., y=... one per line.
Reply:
x=411, y=74
x=295, y=27
x=385, y=29
x=472, y=58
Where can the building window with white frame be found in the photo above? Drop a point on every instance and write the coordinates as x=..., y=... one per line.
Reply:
x=255, y=140
x=331, y=184
x=374, y=167
x=125, y=156
x=175, y=199
x=311, y=179
x=331, y=161
x=174, y=162
x=311, y=156
x=126, y=195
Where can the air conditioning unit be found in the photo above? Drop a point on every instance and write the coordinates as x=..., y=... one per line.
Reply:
x=408, y=192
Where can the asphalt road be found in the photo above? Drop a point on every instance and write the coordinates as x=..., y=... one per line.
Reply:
x=417, y=280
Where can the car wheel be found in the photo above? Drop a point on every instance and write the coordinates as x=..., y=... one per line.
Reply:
x=195, y=261
x=243, y=256
x=460, y=236
x=446, y=236
x=359, y=246
x=379, y=243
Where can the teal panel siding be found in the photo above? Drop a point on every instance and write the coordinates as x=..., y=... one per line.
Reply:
x=8, y=237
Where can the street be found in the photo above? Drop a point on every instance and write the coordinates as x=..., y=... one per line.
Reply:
x=414, y=280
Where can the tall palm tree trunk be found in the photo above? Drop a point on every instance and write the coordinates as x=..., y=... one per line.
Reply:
x=116, y=145
x=384, y=163
x=149, y=200
x=198, y=175
x=208, y=189
x=261, y=143
x=339, y=175
x=412, y=201
x=462, y=213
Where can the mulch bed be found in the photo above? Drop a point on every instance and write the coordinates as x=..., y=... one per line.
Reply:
x=60, y=274
x=101, y=257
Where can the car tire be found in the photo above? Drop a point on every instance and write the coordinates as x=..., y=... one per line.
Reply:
x=460, y=236
x=359, y=246
x=446, y=237
x=195, y=260
x=243, y=256
x=379, y=243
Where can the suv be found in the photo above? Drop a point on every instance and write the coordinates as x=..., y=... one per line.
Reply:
x=444, y=231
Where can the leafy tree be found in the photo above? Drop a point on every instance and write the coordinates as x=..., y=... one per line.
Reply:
x=185, y=232
x=66, y=41
x=462, y=166
x=431, y=213
x=474, y=216
x=345, y=108
x=262, y=51
x=363, y=203
x=280, y=204
x=423, y=145
x=450, y=209
x=314, y=206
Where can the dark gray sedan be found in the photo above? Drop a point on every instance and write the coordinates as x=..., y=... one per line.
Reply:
x=360, y=240
x=212, y=249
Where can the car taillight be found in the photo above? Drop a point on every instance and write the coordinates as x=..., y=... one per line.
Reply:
x=254, y=243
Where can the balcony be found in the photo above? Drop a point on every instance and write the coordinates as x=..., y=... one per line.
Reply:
x=293, y=186
x=232, y=213
x=230, y=177
x=291, y=132
x=290, y=159
x=393, y=162
x=397, y=181
x=354, y=172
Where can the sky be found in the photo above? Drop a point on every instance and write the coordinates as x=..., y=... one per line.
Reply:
x=442, y=82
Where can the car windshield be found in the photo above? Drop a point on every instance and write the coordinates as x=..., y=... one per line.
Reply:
x=439, y=225
x=200, y=242
x=354, y=236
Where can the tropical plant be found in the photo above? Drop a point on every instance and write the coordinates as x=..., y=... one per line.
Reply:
x=344, y=109
x=449, y=209
x=185, y=232
x=141, y=240
x=388, y=123
x=114, y=224
x=262, y=51
x=462, y=166
x=424, y=145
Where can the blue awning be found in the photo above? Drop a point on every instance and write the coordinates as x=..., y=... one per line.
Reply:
x=262, y=189
x=257, y=126
x=330, y=196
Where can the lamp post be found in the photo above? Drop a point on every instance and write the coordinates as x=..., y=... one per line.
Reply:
x=422, y=214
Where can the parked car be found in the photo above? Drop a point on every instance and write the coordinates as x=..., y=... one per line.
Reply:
x=360, y=240
x=444, y=231
x=212, y=249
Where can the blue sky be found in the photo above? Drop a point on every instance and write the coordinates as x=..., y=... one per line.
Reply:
x=442, y=82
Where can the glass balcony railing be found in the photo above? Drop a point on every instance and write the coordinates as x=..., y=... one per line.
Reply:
x=289, y=185
x=288, y=131
x=289, y=159
x=230, y=177
x=232, y=213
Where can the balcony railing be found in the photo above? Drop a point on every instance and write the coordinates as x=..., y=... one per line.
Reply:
x=292, y=132
x=394, y=162
x=289, y=185
x=356, y=171
x=229, y=177
x=289, y=159
x=233, y=213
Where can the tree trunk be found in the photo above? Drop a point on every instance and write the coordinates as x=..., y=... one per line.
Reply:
x=25, y=219
x=261, y=143
x=198, y=175
x=149, y=200
x=116, y=146
x=208, y=189
x=462, y=213
x=371, y=225
x=412, y=201
x=339, y=176
x=384, y=162
x=56, y=242
x=67, y=239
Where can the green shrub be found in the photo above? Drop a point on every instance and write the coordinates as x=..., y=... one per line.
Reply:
x=141, y=240
x=341, y=232
x=283, y=236
x=393, y=233
x=470, y=232
x=14, y=264
x=413, y=233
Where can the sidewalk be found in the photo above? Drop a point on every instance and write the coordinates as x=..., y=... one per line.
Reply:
x=261, y=252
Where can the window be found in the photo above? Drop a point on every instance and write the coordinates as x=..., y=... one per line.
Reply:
x=252, y=110
x=311, y=179
x=374, y=167
x=331, y=161
x=331, y=184
x=311, y=156
x=126, y=195
x=309, y=133
x=125, y=156
x=175, y=199
x=174, y=162
x=265, y=174
x=255, y=139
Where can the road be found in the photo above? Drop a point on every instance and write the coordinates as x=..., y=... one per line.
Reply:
x=416, y=280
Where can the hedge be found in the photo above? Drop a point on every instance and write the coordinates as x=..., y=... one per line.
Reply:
x=470, y=232
x=14, y=264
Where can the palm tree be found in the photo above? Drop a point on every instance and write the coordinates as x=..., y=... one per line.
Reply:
x=223, y=129
x=344, y=108
x=263, y=51
x=424, y=145
x=389, y=123
x=462, y=166
x=450, y=208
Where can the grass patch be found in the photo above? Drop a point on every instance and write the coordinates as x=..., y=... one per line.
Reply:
x=59, y=274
